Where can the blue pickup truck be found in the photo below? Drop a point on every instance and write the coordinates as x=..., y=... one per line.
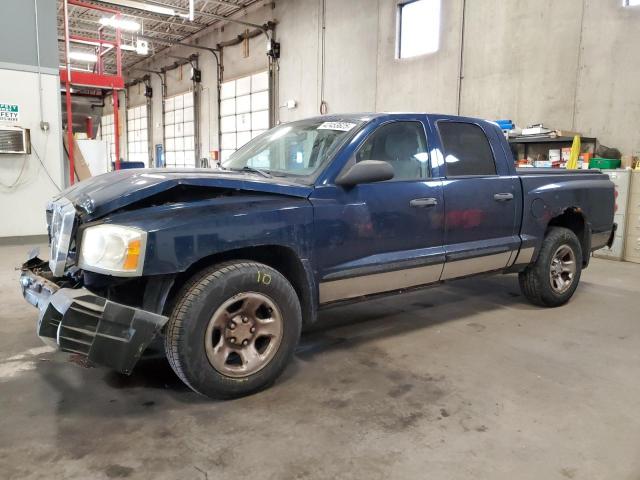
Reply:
x=225, y=266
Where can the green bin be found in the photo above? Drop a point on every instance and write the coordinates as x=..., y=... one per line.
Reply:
x=604, y=163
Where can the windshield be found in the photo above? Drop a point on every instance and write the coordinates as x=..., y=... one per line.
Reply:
x=294, y=149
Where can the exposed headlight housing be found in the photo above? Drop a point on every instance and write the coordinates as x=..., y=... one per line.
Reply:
x=113, y=250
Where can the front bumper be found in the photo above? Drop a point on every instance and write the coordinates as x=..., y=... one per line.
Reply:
x=78, y=321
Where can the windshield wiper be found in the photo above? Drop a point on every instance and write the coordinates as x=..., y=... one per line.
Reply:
x=246, y=168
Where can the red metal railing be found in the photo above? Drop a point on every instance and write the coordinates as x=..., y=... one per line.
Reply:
x=92, y=79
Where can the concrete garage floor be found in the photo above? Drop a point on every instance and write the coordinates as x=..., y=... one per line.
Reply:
x=463, y=381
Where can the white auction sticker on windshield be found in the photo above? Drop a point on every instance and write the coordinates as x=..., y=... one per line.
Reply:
x=342, y=126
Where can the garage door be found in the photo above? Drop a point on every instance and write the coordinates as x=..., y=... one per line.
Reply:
x=179, y=131
x=137, y=134
x=244, y=111
x=107, y=133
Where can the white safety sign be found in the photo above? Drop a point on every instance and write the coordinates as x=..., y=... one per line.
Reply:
x=9, y=113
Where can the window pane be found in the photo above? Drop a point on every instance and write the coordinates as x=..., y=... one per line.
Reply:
x=188, y=128
x=179, y=102
x=228, y=124
x=188, y=99
x=418, y=28
x=403, y=145
x=228, y=90
x=228, y=141
x=243, y=86
x=168, y=104
x=243, y=137
x=179, y=116
x=260, y=120
x=243, y=122
x=243, y=104
x=260, y=101
x=227, y=107
x=466, y=148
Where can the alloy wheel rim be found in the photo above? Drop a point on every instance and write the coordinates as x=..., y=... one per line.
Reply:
x=243, y=334
x=563, y=269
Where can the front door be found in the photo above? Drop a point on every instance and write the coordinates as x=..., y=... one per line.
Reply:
x=385, y=236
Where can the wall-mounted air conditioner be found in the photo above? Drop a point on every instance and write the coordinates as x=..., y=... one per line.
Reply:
x=14, y=140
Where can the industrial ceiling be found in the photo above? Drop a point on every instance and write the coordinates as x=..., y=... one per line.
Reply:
x=157, y=28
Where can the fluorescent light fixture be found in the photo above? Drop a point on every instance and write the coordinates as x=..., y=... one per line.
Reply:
x=83, y=56
x=122, y=24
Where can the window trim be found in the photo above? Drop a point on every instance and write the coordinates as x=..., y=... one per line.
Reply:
x=444, y=152
x=398, y=47
x=352, y=159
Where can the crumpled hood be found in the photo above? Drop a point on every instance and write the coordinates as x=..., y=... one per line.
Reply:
x=103, y=194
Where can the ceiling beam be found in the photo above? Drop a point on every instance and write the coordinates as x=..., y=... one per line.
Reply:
x=146, y=29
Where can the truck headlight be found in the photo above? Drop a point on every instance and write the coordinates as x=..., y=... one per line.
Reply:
x=113, y=249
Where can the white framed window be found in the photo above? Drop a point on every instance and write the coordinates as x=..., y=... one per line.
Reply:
x=418, y=29
x=107, y=132
x=631, y=3
x=179, y=131
x=137, y=134
x=244, y=111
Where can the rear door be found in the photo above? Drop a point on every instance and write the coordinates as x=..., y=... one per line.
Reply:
x=481, y=198
x=384, y=236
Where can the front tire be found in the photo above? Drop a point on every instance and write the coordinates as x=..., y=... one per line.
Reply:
x=233, y=329
x=552, y=280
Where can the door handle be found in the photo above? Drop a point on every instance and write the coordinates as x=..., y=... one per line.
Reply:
x=423, y=202
x=503, y=197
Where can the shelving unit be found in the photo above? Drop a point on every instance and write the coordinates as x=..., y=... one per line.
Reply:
x=540, y=144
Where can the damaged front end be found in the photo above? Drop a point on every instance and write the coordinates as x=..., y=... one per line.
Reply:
x=78, y=321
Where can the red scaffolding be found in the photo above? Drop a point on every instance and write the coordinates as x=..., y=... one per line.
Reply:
x=98, y=78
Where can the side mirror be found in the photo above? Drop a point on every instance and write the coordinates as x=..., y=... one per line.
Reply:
x=367, y=171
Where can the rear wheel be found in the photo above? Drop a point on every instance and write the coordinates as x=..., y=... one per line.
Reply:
x=554, y=277
x=233, y=330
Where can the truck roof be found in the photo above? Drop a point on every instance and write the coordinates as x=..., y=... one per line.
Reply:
x=368, y=116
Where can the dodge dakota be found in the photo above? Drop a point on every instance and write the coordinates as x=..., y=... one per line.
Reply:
x=225, y=266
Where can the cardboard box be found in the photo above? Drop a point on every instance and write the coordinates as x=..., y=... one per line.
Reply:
x=81, y=167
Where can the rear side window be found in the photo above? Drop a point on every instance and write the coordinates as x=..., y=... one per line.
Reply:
x=466, y=149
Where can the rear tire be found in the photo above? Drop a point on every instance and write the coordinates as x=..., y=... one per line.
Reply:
x=233, y=329
x=554, y=277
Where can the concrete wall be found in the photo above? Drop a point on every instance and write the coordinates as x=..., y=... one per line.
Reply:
x=571, y=64
x=23, y=204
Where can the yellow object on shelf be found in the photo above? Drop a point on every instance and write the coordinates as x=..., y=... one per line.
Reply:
x=575, y=153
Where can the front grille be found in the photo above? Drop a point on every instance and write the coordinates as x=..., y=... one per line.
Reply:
x=60, y=232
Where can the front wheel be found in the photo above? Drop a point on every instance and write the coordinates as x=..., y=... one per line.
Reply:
x=553, y=278
x=233, y=329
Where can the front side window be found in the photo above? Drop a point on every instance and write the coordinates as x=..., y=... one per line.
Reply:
x=466, y=149
x=295, y=149
x=418, y=28
x=403, y=145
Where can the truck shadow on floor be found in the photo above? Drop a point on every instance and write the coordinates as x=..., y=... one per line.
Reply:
x=341, y=327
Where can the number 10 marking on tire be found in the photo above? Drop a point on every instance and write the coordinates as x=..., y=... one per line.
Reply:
x=264, y=278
